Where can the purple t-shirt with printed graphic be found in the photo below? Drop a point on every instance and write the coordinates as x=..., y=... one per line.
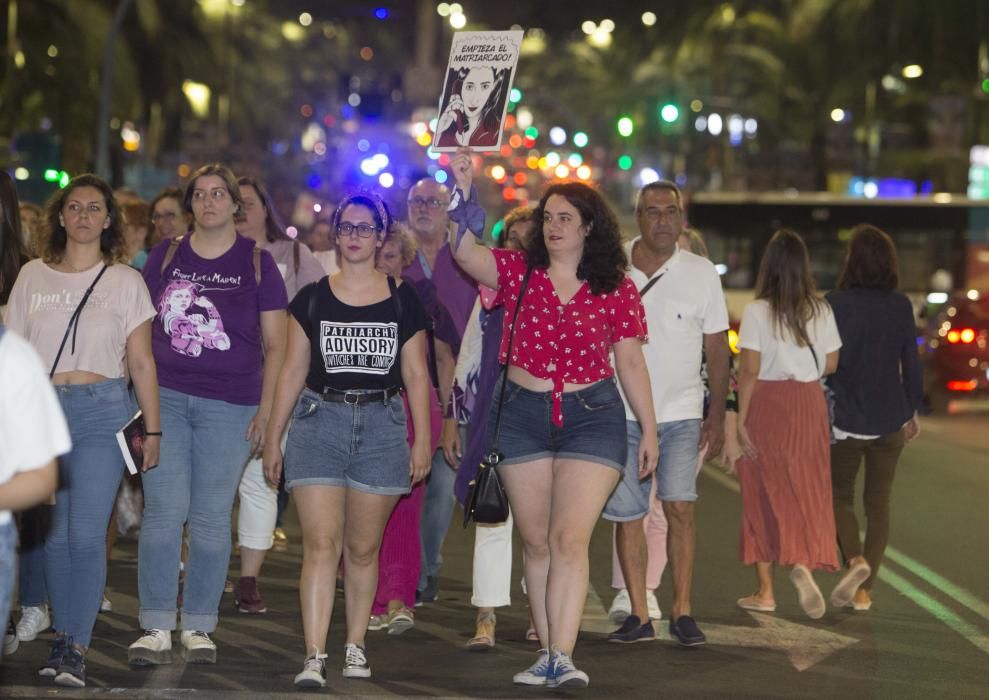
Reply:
x=206, y=336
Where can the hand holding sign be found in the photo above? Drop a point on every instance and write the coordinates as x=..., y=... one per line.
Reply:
x=462, y=167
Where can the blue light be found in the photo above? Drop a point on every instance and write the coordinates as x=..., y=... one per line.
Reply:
x=314, y=181
x=381, y=13
x=363, y=145
x=441, y=176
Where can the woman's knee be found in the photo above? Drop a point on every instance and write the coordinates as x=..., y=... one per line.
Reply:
x=568, y=545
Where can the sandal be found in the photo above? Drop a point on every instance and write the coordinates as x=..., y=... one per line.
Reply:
x=484, y=635
x=531, y=635
x=754, y=602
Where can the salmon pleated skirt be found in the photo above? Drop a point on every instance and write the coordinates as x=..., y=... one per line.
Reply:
x=787, y=514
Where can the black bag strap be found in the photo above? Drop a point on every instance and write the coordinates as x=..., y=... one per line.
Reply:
x=508, y=359
x=654, y=280
x=74, y=323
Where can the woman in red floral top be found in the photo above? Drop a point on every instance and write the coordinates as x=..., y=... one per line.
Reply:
x=563, y=429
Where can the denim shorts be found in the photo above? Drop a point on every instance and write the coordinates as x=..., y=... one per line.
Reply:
x=676, y=474
x=358, y=446
x=593, y=425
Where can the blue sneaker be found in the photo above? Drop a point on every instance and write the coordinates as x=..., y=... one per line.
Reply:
x=632, y=630
x=686, y=632
x=563, y=674
x=537, y=674
x=58, y=648
x=72, y=671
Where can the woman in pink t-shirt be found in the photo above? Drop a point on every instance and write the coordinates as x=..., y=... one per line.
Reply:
x=82, y=281
x=563, y=433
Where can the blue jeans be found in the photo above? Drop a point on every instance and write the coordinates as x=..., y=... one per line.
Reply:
x=203, y=454
x=8, y=564
x=89, y=476
x=437, y=510
x=676, y=474
x=31, y=587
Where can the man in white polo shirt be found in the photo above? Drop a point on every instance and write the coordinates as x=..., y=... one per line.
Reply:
x=686, y=314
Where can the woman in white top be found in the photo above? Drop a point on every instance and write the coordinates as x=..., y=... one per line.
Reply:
x=83, y=283
x=258, y=502
x=789, y=339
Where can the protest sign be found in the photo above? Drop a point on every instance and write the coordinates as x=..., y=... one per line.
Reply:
x=475, y=96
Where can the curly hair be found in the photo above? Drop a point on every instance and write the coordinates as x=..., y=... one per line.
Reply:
x=603, y=262
x=53, y=240
x=406, y=243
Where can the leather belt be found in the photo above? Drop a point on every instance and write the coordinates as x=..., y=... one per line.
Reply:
x=354, y=398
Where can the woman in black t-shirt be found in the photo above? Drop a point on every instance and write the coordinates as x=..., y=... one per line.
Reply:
x=355, y=339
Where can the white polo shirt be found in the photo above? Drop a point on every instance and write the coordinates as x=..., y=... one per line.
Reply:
x=685, y=304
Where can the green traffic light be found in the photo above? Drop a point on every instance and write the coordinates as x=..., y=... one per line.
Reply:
x=626, y=126
x=625, y=162
x=985, y=86
x=51, y=175
x=669, y=113
x=515, y=95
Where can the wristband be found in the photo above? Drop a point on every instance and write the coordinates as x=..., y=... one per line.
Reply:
x=148, y=433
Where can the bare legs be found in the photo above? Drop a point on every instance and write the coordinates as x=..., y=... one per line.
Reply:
x=556, y=504
x=337, y=521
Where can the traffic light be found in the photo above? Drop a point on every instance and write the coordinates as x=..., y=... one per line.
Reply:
x=626, y=126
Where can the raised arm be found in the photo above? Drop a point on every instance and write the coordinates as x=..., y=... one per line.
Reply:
x=474, y=258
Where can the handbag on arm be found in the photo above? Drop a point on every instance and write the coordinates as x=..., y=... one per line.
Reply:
x=486, y=502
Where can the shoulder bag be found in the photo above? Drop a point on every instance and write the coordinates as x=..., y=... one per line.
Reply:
x=486, y=502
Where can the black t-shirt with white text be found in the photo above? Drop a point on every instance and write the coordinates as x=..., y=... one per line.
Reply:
x=356, y=347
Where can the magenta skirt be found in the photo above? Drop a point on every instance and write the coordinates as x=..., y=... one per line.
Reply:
x=787, y=516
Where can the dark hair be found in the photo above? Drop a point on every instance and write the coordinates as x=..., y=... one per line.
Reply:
x=221, y=171
x=53, y=241
x=11, y=244
x=871, y=260
x=603, y=262
x=658, y=185
x=373, y=203
x=167, y=193
x=274, y=230
x=494, y=106
x=786, y=283
x=515, y=216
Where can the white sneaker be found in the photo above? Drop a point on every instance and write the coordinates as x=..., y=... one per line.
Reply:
x=34, y=621
x=106, y=605
x=621, y=607
x=654, y=612
x=537, y=674
x=152, y=648
x=199, y=648
x=313, y=673
x=355, y=663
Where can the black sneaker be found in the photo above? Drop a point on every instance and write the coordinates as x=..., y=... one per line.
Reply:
x=10, y=640
x=355, y=663
x=72, y=671
x=430, y=592
x=54, y=661
x=632, y=630
x=686, y=632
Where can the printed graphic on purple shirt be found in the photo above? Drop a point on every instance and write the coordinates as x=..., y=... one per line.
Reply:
x=191, y=320
x=207, y=338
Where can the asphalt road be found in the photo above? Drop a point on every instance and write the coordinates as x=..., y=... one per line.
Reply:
x=927, y=634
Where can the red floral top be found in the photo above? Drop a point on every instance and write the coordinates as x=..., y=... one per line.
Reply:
x=565, y=343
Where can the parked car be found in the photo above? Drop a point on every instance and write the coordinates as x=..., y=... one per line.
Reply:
x=955, y=350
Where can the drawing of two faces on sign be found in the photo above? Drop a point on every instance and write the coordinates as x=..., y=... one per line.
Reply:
x=475, y=103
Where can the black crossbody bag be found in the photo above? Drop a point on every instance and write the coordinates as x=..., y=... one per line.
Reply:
x=74, y=323
x=486, y=501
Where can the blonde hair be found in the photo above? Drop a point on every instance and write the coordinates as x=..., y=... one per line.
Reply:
x=406, y=242
x=695, y=242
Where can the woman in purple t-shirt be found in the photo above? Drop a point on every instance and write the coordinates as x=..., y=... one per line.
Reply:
x=218, y=341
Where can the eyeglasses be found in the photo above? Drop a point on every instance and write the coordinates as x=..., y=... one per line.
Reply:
x=217, y=194
x=431, y=202
x=164, y=216
x=348, y=229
